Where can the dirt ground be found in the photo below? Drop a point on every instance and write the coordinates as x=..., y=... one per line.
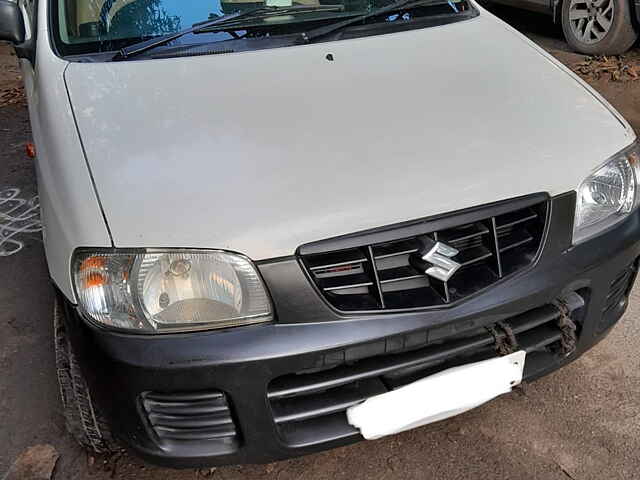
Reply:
x=580, y=423
x=11, y=92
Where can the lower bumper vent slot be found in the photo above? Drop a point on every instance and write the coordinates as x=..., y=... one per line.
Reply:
x=184, y=419
x=617, y=297
x=309, y=408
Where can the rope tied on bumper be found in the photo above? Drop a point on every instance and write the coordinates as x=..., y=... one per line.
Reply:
x=567, y=328
x=504, y=339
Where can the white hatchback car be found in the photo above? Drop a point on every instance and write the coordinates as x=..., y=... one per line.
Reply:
x=275, y=228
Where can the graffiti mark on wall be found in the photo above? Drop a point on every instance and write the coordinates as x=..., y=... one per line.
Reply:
x=18, y=216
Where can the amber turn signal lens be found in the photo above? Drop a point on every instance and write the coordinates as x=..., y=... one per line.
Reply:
x=91, y=263
x=94, y=280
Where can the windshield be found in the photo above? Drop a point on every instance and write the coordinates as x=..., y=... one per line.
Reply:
x=92, y=26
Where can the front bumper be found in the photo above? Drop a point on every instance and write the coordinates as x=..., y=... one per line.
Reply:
x=254, y=366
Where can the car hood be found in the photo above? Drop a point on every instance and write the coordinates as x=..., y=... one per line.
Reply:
x=260, y=152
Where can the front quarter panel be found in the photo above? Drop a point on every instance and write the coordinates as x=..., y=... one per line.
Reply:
x=560, y=66
x=71, y=213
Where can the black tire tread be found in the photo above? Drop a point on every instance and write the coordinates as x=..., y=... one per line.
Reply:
x=83, y=419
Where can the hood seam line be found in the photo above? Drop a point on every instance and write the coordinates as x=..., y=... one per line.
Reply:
x=573, y=76
x=86, y=158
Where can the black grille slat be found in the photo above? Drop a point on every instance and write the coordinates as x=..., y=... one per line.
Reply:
x=200, y=434
x=619, y=285
x=539, y=339
x=532, y=319
x=185, y=408
x=515, y=218
x=494, y=246
x=378, y=285
x=318, y=430
x=347, y=277
x=174, y=398
x=473, y=255
x=334, y=259
x=345, y=282
x=617, y=297
x=621, y=279
x=614, y=297
x=456, y=237
x=398, y=274
x=190, y=417
x=326, y=404
x=372, y=368
x=391, y=275
x=467, y=243
x=395, y=248
x=191, y=421
x=513, y=240
x=420, y=291
x=309, y=408
x=401, y=252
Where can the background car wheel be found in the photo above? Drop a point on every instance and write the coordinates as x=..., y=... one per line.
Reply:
x=83, y=419
x=598, y=27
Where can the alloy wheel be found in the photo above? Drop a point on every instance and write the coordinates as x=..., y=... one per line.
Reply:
x=590, y=20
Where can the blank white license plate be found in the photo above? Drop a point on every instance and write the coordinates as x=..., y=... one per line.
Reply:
x=437, y=397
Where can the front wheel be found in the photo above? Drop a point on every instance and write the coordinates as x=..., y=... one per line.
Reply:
x=598, y=27
x=83, y=418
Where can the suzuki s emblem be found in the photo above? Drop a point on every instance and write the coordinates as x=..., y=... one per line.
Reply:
x=439, y=257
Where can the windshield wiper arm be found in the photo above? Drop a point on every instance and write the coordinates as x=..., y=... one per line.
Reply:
x=318, y=32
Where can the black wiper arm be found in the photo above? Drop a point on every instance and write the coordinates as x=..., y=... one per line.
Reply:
x=141, y=47
x=318, y=32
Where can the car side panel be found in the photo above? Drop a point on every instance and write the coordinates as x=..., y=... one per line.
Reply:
x=70, y=210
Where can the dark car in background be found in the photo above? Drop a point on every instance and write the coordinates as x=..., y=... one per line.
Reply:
x=593, y=27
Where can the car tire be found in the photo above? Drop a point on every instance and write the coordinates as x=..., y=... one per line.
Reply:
x=83, y=419
x=598, y=27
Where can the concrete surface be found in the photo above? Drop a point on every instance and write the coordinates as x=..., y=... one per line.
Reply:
x=582, y=422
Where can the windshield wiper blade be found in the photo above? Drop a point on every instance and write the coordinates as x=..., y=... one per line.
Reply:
x=309, y=36
x=141, y=47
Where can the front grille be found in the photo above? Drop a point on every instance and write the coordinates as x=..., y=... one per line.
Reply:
x=391, y=275
x=309, y=408
x=617, y=297
x=184, y=418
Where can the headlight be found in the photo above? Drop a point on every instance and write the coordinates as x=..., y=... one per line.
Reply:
x=164, y=291
x=608, y=195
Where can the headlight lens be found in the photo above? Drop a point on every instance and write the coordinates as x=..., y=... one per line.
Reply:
x=164, y=291
x=608, y=195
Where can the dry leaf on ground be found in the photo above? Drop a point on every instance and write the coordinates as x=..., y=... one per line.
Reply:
x=12, y=96
x=615, y=68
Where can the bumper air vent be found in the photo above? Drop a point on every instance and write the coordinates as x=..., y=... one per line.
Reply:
x=309, y=407
x=617, y=297
x=182, y=419
x=391, y=274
